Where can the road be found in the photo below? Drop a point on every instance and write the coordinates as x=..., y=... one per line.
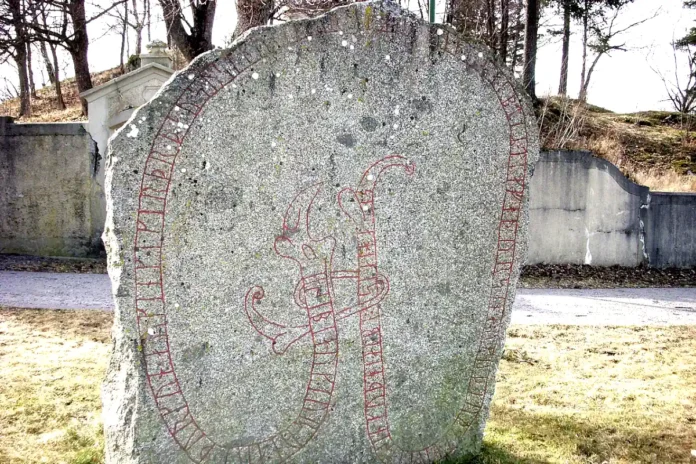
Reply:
x=621, y=306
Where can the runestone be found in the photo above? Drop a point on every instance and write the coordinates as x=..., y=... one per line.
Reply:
x=314, y=239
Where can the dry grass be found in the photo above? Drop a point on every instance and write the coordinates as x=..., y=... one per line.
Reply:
x=44, y=107
x=665, y=181
x=587, y=395
x=51, y=366
x=653, y=148
x=594, y=395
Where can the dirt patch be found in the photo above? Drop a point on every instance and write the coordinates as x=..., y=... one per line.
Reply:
x=40, y=264
x=581, y=276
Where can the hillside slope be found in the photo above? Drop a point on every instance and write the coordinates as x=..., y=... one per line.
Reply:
x=653, y=148
x=44, y=109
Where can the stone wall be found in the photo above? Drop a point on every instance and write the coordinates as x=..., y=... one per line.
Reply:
x=50, y=201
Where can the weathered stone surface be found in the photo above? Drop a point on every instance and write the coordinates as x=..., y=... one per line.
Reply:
x=314, y=239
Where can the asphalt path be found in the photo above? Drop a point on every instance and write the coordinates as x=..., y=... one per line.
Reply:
x=620, y=306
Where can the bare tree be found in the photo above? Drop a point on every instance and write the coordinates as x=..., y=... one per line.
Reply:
x=8, y=91
x=59, y=23
x=47, y=62
x=135, y=17
x=124, y=36
x=30, y=73
x=603, y=33
x=191, y=37
x=252, y=13
x=475, y=18
x=497, y=23
x=563, y=82
x=491, y=25
x=681, y=92
x=504, y=32
x=13, y=44
x=67, y=27
x=516, y=31
x=138, y=24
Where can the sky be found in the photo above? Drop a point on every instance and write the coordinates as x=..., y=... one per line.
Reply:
x=623, y=82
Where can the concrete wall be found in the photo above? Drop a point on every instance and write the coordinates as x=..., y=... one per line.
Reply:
x=584, y=211
x=50, y=202
x=670, y=230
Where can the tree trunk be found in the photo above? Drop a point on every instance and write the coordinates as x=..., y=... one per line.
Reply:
x=24, y=92
x=200, y=39
x=563, y=83
x=252, y=13
x=139, y=40
x=60, y=103
x=490, y=24
x=586, y=84
x=148, y=20
x=124, y=33
x=47, y=62
x=504, y=23
x=78, y=48
x=530, y=47
x=20, y=56
x=30, y=73
x=585, y=15
x=138, y=27
x=516, y=37
x=82, y=77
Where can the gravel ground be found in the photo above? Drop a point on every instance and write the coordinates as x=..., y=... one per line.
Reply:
x=55, y=290
x=615, y=306
x=618, y=306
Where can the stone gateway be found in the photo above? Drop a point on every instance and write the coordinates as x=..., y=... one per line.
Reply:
x=314, y=239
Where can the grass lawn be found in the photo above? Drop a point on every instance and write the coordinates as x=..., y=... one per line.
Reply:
x=564, y=394
x=51, y=367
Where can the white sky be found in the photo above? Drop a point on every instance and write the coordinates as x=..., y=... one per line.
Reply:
x=622, y=82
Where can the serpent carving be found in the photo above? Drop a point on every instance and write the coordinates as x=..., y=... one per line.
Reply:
x=314, y=295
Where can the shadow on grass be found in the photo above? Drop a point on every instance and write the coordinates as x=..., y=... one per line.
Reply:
x=494, y=454
x=628, y=437
x=517, y=436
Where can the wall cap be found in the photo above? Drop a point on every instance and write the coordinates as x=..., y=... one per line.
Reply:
x=137, y=75
x=42, y=128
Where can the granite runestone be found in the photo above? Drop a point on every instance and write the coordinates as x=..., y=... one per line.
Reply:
x=314, y=239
